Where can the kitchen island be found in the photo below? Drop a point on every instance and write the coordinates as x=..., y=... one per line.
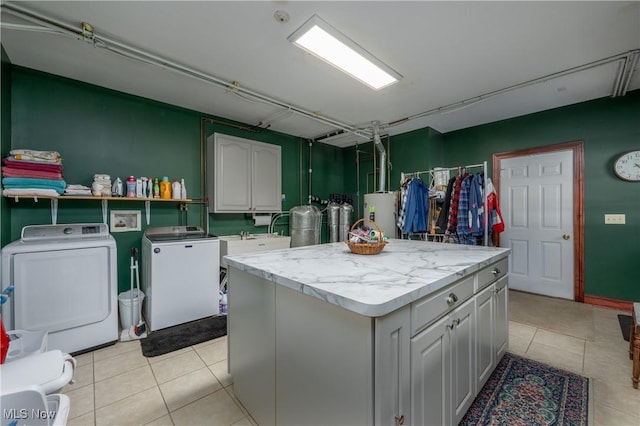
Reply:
x=318, y=335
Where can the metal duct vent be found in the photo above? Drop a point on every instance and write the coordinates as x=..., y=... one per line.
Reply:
x=382, y=178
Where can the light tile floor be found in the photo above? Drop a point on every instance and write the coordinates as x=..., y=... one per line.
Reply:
x=119, y=386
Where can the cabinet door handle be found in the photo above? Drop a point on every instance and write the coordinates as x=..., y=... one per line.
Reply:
x=495, y=271
x=451, y=299
x=400, y=419
x=453, y=324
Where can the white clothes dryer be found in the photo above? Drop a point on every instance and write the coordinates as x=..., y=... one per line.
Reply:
x=66, y=283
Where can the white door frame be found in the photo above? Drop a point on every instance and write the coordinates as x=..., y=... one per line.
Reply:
x=578, y=201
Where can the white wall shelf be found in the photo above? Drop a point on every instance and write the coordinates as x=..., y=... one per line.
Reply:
x=104, y=201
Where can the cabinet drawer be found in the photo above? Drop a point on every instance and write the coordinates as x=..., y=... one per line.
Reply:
x=491, y=273
x=430, y=308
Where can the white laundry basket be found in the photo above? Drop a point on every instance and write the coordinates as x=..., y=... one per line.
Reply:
x=25, y=343
x=125, y=300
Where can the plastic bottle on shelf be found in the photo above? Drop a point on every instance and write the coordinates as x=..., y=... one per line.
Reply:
x=131, y=187
x=176, y=189
x=156, y=188
x=183, y=192
x=165, y=188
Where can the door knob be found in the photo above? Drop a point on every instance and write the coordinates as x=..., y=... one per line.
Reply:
x=566, y=237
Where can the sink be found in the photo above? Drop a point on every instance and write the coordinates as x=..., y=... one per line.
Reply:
x=235, y=244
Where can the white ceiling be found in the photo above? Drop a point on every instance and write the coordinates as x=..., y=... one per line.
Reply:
x=447, y=53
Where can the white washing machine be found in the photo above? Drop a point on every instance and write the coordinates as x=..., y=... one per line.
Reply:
x=181, y=275
x=66, y=283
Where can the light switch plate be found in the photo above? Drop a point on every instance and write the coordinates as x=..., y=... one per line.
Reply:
x=614, y=219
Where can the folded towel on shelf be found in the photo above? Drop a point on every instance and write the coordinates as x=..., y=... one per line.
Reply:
x=18, y=183
x=18, y=172
x=34, y=155
x=74, y=189
x=17, y=192
x=32, y=165
x=101, y=176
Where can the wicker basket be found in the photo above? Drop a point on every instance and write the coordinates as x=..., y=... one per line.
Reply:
x=366, y=248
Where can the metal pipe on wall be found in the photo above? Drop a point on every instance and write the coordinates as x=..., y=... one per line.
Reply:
x=310, y=170
x=301, y=145
x=388, y=165
x=358, y=177
x=204, y=219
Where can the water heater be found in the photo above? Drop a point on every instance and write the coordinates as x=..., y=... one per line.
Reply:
x=383, y=207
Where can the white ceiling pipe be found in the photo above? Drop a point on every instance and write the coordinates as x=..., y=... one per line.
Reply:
x=629, y=68
x=471, y=101
x=138, y=54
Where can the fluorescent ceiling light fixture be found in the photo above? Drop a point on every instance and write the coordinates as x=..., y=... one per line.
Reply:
x=325, y=42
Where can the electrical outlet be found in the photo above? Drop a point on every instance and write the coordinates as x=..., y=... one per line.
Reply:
x=614, y=219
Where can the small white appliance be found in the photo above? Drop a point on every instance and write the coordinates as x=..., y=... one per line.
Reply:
x=181, y=275
x=66, y=283
x=384, y=205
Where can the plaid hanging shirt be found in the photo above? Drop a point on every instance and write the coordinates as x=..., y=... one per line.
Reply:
x=452, y=223
x=463, y=228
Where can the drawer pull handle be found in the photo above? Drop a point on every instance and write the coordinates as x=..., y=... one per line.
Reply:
x=451, y=299
x=495, y=271
x=456, y=321
x=400, y=420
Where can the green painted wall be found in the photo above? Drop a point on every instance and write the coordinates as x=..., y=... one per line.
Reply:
x=5, y=140
x=103, y=131
x=608, y=127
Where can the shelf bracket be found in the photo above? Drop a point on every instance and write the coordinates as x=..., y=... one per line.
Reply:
x=54, y=210
x=105, y=208
x=147, y=210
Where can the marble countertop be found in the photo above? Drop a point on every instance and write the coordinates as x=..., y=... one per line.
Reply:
x=372, y=285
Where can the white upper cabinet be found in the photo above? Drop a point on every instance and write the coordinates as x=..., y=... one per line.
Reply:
x=243, y=176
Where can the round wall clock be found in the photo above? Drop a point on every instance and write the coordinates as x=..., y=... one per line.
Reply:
x=627, y=166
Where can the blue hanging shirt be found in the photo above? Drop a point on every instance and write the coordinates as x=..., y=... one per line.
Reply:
x=417, y=207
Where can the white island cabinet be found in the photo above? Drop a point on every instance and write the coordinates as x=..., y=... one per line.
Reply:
x=318, y=335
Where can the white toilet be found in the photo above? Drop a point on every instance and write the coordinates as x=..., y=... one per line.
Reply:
x=31, y=378
x=31, y=406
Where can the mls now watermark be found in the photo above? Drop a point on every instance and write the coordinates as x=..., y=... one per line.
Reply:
x=26, y=414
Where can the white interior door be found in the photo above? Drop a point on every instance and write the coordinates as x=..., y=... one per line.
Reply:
x=536, y=197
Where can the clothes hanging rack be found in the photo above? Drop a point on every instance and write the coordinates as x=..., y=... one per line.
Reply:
x=404, y=176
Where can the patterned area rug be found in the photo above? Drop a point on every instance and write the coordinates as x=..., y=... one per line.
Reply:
x=525, y=392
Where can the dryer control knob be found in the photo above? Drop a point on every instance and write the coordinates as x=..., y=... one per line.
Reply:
x=156, y=250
